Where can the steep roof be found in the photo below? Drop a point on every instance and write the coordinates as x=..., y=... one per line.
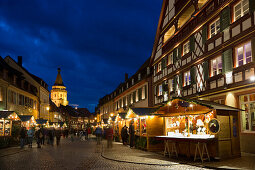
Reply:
x=59, y=81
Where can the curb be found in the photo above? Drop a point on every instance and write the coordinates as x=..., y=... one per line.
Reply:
x=142, y=163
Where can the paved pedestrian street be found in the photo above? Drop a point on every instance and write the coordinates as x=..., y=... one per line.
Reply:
x=81, y=155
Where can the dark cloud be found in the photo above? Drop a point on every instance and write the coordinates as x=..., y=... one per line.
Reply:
x=94, y=42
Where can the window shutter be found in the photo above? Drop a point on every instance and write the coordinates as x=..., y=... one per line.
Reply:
x=145, y=91
x=193, y=75
x=204, y=34
x=179, y=52
x=134, y=96
x=206, y=70
x=253, y=49
x=175, y=83
x=192, y=43
x=175, y=56
x=227, y=62
x=225, y=18
x=180, y=81
x=251, y=6
x=163, y=63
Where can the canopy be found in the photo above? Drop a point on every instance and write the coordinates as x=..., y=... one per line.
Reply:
x=123, y=115
x=25, y=118
x=144, y=111
x=41, y=121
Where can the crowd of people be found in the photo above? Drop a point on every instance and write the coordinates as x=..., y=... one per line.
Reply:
x=48, y=136
x=41, y=136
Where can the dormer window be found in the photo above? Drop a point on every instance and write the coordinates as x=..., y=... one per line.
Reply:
x=170, y=59
x=133, y=81
x=127, y=85
x=148, y=70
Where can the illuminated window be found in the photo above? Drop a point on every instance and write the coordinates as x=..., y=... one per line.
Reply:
x=240, y=9
x=187, y=78
x=160, y=91
x=186, y=16
x=247, y=103
x=159, y=66
x=186, y=48
x=215, y=28
x=216, y=66
x=170, y=59
x=169, y=33
x=243, y=54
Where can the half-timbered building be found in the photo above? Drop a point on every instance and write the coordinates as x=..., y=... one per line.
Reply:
x=205, y=49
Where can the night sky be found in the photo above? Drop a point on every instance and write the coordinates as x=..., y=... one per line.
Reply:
x=94, y=42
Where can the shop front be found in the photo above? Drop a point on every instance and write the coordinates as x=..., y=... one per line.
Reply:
x=6, y=120
x=147, y=125
x=201, y=129
x=27, y=121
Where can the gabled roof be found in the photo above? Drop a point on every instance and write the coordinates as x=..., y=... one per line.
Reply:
x=59, y=81
x=5, y=114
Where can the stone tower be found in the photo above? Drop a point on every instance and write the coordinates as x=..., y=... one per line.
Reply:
x=58, y=92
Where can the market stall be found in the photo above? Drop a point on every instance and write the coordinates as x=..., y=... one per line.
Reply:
x=27, y=121
x=147, y=125
x=199, y=128
x=120, y=122
x=6, y=119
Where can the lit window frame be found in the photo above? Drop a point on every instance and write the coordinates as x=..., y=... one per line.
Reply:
x=216, y=24
x=170, y=58
x=218, y=70
x=242, y=10
x=186, y=75
x=244, y=54
x=159, y=67
x=186, y=48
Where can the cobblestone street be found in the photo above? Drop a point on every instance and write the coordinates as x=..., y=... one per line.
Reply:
x=80, y=155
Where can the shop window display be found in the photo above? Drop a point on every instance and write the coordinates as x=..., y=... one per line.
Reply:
x=188, y=125
x=247, y=103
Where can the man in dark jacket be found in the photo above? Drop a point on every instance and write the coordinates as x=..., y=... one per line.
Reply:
x=132, y=134
x=22, y=137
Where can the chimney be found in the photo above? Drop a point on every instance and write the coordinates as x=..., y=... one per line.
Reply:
x=59, y=70
x=20, y=60
x=126, y=76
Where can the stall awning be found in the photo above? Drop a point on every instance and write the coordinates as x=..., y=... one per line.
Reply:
x=41, y=121
x=182, y=106
x=7, y=114
x=146, y=111
x=25, y=118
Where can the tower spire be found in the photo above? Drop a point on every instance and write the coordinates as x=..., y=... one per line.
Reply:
x=59, y=81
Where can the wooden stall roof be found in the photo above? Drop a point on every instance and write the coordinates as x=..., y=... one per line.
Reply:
x=6, y=114
x=41, y=121
x=180, y=106
x=144, y=111
x=25, y=118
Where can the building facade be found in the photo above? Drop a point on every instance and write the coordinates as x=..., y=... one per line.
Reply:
x=59, y=92
x=133, y=92
x=205, y=49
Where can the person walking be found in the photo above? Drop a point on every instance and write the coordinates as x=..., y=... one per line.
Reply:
x=38, y=136
x=58, y=136
x=22, y=135
x=109, y=137
x=44, y=134
x=132, y=135
x=98, y=133
x=30, y=135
